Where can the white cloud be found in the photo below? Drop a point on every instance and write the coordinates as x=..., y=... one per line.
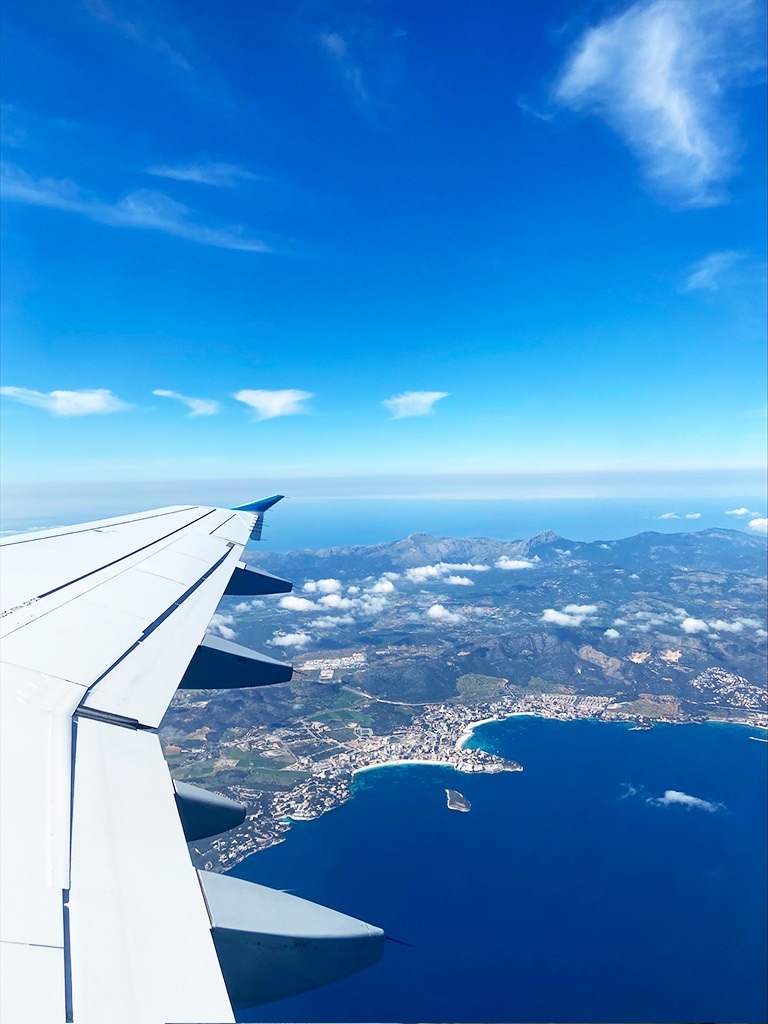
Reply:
x=425, y=573
x=204, y=173
x=332, y=621
x=291, y=640
x=269, y=404
x=612, y=634
x=68, y=403
x=572, y=614
x=706, y=274
x=390, y=575
x=674, y=797
x=337, y=601
x=505, y=562
x=298, y=604
x=742, y=512
x=668, y=515
x=657, y=74
x=143, y=33
x=144, y=209
x=221, y=625
x=197, y=406
x=727, y=627
x=693, y=515
x=440, y=613
x=459, y=581
x=335, y=45
x=691, y=625
x=327, y=586
x=413, y=403
x=382, y=587
x=581, y=609
x=759, y=525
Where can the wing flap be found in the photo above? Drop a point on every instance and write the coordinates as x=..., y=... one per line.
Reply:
x=140, y=940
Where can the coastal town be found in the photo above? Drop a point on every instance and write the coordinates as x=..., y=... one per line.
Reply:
x=440, y=735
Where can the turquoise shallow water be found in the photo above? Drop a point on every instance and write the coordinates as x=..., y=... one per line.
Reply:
x=568, y=893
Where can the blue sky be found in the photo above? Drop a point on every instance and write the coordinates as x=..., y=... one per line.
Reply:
x=382, y=240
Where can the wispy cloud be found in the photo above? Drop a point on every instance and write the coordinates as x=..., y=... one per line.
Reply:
x=413, y=403
x=337, y=48
x=671, y=798
x=675, y=515
x=658, y=74
x=144, y=34
x=706, y=274
x=269, y=404
x=143, y=209
x=742, y=512
x=204, y=172
x=68, y=403
x=196, y=406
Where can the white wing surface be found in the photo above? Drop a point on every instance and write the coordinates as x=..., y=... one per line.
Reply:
x=103, y=916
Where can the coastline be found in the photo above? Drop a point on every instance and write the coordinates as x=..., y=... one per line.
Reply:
x=469, y=731
x=403, y=761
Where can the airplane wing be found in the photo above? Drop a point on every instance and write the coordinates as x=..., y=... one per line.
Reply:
x=103, y=917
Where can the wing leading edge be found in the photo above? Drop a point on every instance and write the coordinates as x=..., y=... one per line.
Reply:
x=103, y=916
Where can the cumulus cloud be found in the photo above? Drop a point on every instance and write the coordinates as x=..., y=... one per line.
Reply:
x=691, y=625
x=727, y=627
x=425, y=573
x=612, y=634
x=332, y=621
x=292, y=603
x=459, y=581
x=204, y=172
x=581, y=609
x=337, y=601
x=382, y=587
x=668, y=515
x=673, y=797
x=413, y=403
x=143, y=209
x=290, y=640
x=759, y=525
x=512, y=564
x=269, y=404
x=707, y=273
x=658, y=74
x=572, y=614
x=440, y=613
x=327, y=586
x=68, y=403
x=196, y=406
x=693, y=515
x=221, y=625
x=742, y=513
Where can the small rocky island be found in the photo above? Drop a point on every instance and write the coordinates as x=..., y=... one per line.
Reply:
x=457, y=801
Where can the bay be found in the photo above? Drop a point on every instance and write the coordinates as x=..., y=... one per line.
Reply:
x=572, y=891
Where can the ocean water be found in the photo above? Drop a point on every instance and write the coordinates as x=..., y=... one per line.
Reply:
x=567, y=893
x=313, y=522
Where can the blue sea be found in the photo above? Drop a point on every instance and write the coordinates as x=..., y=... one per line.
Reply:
x=572, y=891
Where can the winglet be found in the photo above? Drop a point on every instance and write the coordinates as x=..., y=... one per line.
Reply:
x=259, y=506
